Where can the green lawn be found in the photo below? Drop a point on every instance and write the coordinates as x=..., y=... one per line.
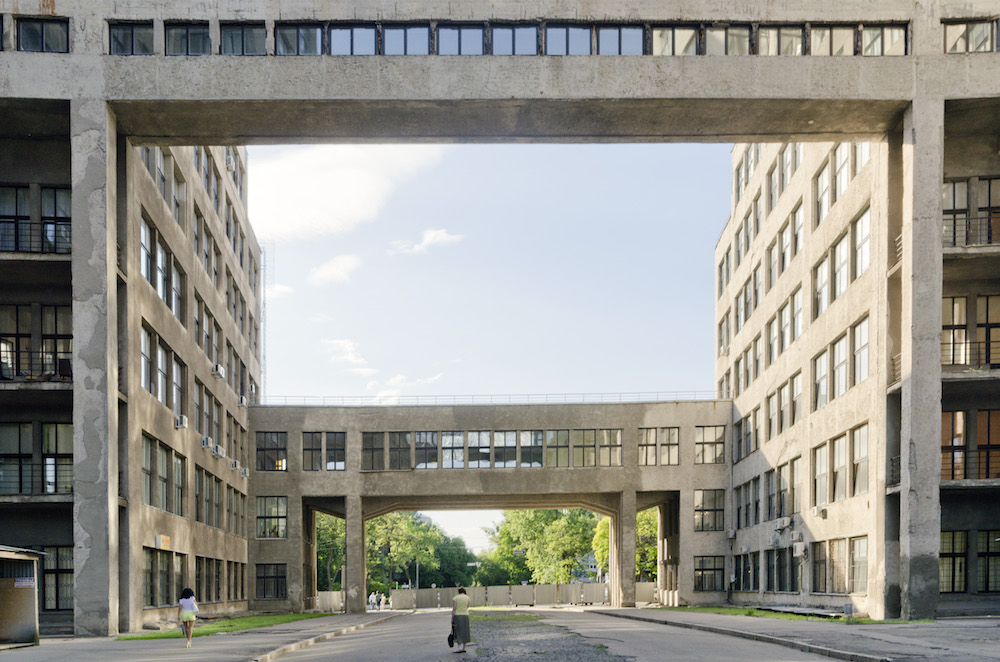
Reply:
x=204, y=628
x=764, y=613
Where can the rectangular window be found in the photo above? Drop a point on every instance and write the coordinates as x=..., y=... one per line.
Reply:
x=795, y=469
x=271, y=581
x=162, y=476
x=771, y=487
x=312, y=451
x=859, y=459
x=823, y=193
x=954, y=345
x=148, y=577
x=399, y=450
x=131, y=38
x=372, y=451
x=785, y=324
x=426, y=449
x=460, y=40
x=557, y=448
x=609, y=448
x=567, y=40
x=453, y=450
x=57, y=458
x=988, y=561
x=883, y=40
x=841, y=266
x=272, y=517
x=838, y=566
x=819, y=567
x=820, y=380
x=179, y=485
x=619, y=41
x=272, y=451
x=709, y=444
x=951, y=562
x=840, y=374
x=647, y=447
x=515, y=40
x=584, y=448
x=709, y=510
x=988, y=444
x=43, y=35
x=187, y=39
x=730, y=40
x=479, y=449
x=148, y=449
x=531, y=447
x=406, y=40
x=952, y=445
x=784, y=407
x=772, y=416
x=832, y=41
x=306, y=39
x=505, y=449
x=862, y=243
x=796, y=399
x=840, y=468
x=242, y=38
x=677, y=41
x=709, y=573
x=670, y=447
x=821, y=287
x=860, y=333
x=821, y=475
x=842, y=169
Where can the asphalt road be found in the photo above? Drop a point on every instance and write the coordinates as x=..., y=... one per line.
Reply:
x=421, y=637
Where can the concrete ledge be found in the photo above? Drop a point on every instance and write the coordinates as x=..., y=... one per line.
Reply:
x=278, y=652
x=754, y=636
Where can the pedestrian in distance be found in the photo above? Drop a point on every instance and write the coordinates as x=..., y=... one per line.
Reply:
x=187, y=607
x=371, y=601
x=382, y=602
x=460, y=618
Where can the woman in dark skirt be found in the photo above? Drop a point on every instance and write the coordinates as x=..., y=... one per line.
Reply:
x=460, y=617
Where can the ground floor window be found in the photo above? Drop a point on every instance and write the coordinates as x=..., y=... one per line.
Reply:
x=951, y=562
x=708, y=573
x=159, y=581
x=271, y=582
x=988, y=560
x=57, y=578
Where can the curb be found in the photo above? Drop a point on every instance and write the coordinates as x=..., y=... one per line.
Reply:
x=278, y=652
x=754, y=636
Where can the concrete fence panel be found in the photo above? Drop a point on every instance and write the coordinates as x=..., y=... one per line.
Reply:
x=498, y=596
x=403, y=599
x=545, y=594
x=477, y=594
x=330, y=600
x=428, y=598
x=565, y=595
x=645, y=591
x=595, y=594
x=522, y=595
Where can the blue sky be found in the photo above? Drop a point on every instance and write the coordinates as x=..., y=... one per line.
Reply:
x=488, y=270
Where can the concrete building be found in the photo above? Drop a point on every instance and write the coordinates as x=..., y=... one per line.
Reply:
x=87, y=215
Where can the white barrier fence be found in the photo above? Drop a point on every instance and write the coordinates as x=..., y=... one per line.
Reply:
x=497, y=596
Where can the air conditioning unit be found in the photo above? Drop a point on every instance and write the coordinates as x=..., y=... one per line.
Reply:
x=218, y=451
x=252, y=389
x=243, y=401
x=799, y=549
x=782, y=523
x=230, y=163
x=219, y=371
x=245, y=472
x=180, y=422
x=796, y=536
x=206, y=442
x=731, y=534
x=744, y=550
x=235, y=464
x=819, y=511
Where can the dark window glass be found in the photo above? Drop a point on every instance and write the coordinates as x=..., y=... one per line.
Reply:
x=242, y=39
x=187, y=39
x=336, y=444
x=132, y=39
x=43, y=35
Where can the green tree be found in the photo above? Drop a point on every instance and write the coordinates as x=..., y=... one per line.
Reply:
x=329, y=551
x=394, y=542
x=645, y=544
x=453, y=565
x=551, y=546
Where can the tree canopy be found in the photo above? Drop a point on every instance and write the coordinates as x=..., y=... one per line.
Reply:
x=645, y=544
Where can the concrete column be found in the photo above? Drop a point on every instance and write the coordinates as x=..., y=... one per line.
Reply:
x=920, y=320
x=662, y=527
x=93, y=136
x=623, y=533
x=354, y=579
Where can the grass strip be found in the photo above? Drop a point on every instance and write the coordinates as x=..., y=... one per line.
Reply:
x=786, y=616
x=205, y=628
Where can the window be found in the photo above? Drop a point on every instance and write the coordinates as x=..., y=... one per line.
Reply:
x=988, y=330
x=772, y=265
x=148, y=448
x=709, y=510
x=773, y=349
x=557, y=448
x=838, y=566
x=785, y=40
x=406, y=40
x=797, y=320
x=531, y=448
x=515, y=40
x=785, y=324
x=952, y=445
x=57, y=458
x=619, y=41
x=505, y=449
x=820, y=382
x=312, y=451
x=862, y=152
x=460, y=40
x=784, y=247
x=771, y=488
x=372, y=451
x=680, y=41
x=859, y=457
x=647, y=447
x=43, y=35
x=146, y=363
x=841, y=266
x=823, y=193
x=180, y=485
x=860, y=333
x=242, y=38
x=988, y=561
x=708, y=573
x=951, y=562
x=15, y=458
x=399, y=450
x=729, y=40
x=453, y=450
x=783, y=503
x=796, y=399
x=271, y=582
x=709, y=444
x=567, y=40
x=272, y=451
x=832, y=41
x=131, y=38
x=883, y=40
x=772, y=416
x=797, y=228
x=187, y=39
x=840, y=374
x=584, y=447
x=841, y=170
x=821, y=287
x=426, y=449
x=669, y=440
x=306, y=39
x=972, y=37
x=862, y=243
x=839, y=468
x=784, y=407
x=819, y=567
x=954, y=348
x=479, y=449
x=354, y=40
x=988, y=444
x=57, y=578
x=820, y=458
x=795, y=469
x=272, y=517
x=609, y=448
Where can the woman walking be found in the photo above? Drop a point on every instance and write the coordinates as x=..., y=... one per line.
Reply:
x=186, y=610
x=460, y=618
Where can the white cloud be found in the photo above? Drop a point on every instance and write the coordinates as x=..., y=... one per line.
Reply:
x=328, y=189
x=429, y=239
x=402, y=381
x=276, y=291
x=362, y=372
x=337, y=270
x=342, y=350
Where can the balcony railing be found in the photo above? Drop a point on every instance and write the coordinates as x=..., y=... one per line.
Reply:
x=35, y=366
x=21, y=476
x=975, y=231
x=971, y=354
x=35, y=237
x=895, y=473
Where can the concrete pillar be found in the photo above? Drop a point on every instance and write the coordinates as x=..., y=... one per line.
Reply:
x=662, y=527
x=920, y=507
x=93, y=136
x=623, y=537
x=354, y=578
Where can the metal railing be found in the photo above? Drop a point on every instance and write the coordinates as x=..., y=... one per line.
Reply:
x=897, y=247
x=972, y=354
x=895, y=369
x=35, y=237
x=974, y=231
x=895, y=471
x=36, y=366
x=523, y=399
x=21, y=476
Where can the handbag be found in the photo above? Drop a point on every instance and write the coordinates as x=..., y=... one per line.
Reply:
x=451, y=635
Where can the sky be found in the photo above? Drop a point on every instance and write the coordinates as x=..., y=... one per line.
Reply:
x=457, y=270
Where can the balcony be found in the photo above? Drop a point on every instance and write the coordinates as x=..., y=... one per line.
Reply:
x=975, y=355
x=975, y=231
x=47, y=237
x=20, y=476
x=35, y=366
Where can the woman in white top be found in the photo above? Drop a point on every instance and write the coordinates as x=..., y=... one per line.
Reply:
x=186, y=610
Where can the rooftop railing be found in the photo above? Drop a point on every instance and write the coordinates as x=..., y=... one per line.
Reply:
x=971, y=354
x=20, y=476
x=36, y=366
x=523, y=399
x=974, y=231
x=35, y=237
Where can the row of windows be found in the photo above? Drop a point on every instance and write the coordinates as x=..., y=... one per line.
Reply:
x=164, y=479
x=35, y=225
x=218, y=504
x=160, y=269
x=838, y=566
x=840, y=467
x=970, y=444
x=971, y=211
x=21, y=473
x=843, y=364
x=783, y=487
x=955, y=562
x=483, y=449
x=164, y=577
x=161, y=372
x=208, y=421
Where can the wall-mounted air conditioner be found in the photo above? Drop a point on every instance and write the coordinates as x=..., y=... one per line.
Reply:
x=243, y=402
x=235, y=464
x=782, y=523
x=252, y=388
x=219, y=371
x=206, y=442
x=180, y=422
x=799, y=549
x=245, y=472
x=218, y=451
x=819, y=511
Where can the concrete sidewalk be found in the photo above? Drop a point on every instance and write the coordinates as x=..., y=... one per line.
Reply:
x=261, y=644
x=945, y=640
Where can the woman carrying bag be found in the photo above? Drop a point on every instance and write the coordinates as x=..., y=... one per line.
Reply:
x=460, y=619
x=186, y=610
